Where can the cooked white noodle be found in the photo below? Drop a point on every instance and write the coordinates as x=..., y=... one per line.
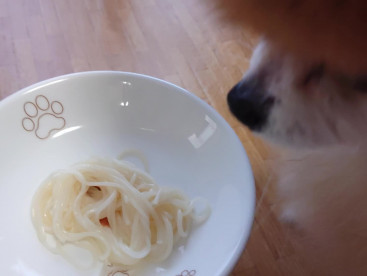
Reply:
x=114, y=210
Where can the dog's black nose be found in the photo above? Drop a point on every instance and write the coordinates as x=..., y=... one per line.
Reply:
x=250, y=104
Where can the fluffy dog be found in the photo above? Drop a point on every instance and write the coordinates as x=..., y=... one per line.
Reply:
x=320, y=116
x=306, y=89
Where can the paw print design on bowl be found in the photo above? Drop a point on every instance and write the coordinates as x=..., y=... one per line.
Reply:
x=111, y=270
x=188, y=273
x=43, y=117
x=119, y=273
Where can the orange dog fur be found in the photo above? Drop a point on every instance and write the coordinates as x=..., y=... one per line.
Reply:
x=333, y=31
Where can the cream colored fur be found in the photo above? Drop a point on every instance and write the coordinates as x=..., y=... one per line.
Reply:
x=323, y=177
x=323, y=124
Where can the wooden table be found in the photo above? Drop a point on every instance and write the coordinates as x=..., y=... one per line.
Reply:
x=183, y=42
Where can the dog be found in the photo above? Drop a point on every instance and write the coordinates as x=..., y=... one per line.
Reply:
x=313, y=104
x=320, y=116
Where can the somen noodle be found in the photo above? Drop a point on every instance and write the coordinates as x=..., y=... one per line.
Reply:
x=114, y=210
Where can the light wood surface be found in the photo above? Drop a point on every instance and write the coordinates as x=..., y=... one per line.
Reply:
x=183, y=42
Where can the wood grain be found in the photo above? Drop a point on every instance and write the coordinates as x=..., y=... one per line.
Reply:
x=183, y=42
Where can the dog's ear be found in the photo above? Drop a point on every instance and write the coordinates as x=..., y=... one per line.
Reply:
x=328, y=30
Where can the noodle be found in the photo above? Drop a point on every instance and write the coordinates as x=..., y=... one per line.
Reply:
x=114, y=210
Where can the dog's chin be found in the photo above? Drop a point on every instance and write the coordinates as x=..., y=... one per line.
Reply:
x=295, y=141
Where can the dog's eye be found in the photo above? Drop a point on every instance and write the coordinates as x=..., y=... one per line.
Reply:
x=314, y=75
x=360, y=84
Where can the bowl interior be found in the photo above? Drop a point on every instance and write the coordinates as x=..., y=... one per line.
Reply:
x=61, y=121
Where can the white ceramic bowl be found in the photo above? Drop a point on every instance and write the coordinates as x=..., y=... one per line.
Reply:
x=64, y=120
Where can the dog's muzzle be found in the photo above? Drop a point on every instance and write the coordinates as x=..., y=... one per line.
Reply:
x=248, y=102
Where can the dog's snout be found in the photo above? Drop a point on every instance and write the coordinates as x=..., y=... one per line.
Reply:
x=250, y=104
